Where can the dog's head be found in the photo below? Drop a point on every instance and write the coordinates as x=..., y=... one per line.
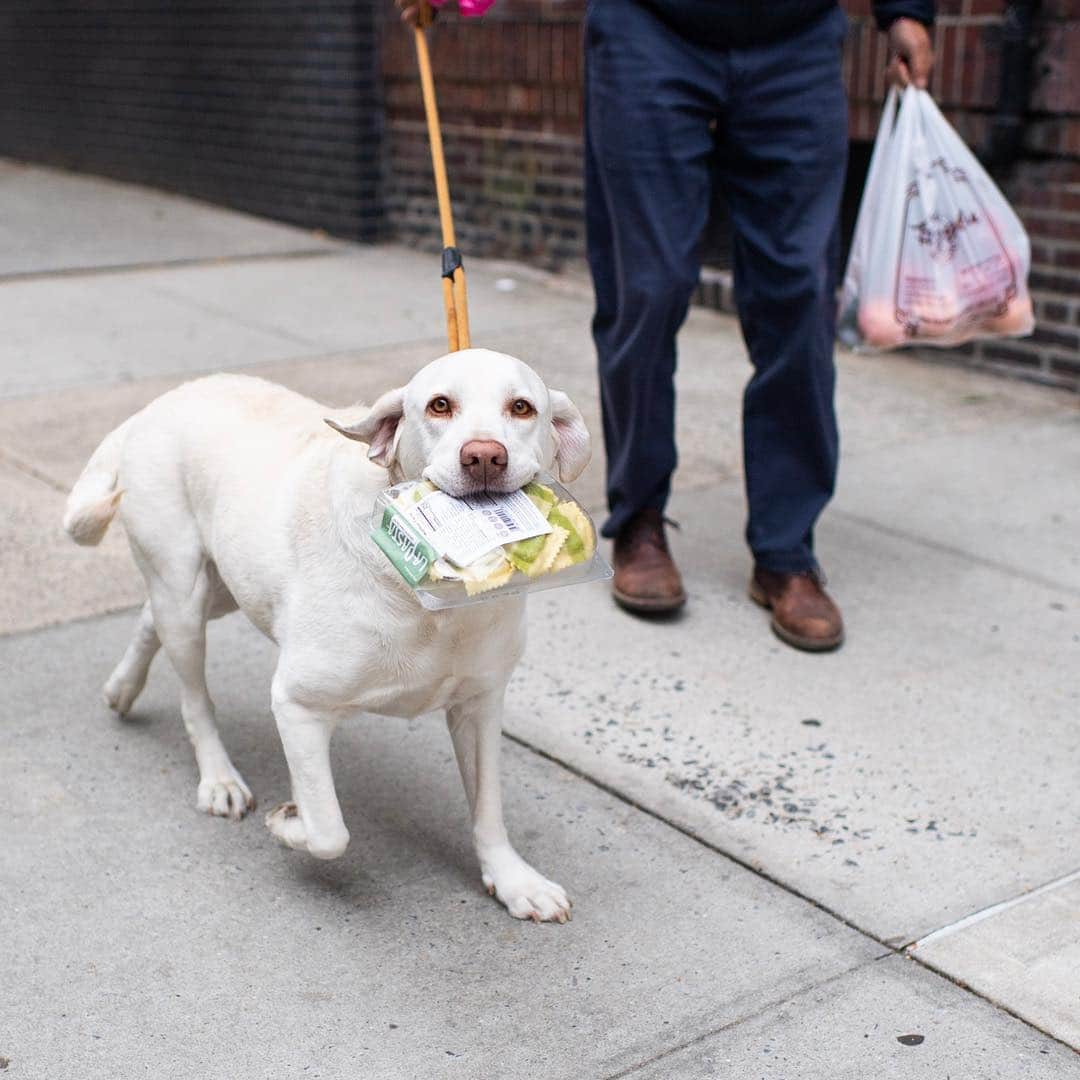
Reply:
x=474, y=421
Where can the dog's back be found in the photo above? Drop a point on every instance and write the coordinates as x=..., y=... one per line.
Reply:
x=231, y=435
x=207, y=471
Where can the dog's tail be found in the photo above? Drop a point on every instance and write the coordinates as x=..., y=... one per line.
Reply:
x=92, y=504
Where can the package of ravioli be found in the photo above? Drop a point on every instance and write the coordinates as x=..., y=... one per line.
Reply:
x=457, y=551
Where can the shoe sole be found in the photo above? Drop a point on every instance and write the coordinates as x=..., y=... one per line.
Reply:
x=796, y=641
x=637, y=605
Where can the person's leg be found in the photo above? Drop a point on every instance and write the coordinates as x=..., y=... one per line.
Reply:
x=649, y=98
x=783, y=160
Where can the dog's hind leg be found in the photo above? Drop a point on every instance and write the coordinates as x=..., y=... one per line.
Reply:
x=180, y=612
x=312, y=822
x=129, y=676
x=126, y=683
x=476, y=728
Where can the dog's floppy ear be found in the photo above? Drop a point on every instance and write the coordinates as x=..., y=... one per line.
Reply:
x=573, y=447
x=379, y=429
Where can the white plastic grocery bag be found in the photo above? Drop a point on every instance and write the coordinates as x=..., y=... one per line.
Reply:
x=939, y=257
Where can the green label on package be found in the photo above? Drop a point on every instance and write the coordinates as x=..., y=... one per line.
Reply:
x=411, y=555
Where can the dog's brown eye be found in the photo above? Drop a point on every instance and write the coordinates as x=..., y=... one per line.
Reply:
x=522, y=408
x=439, y=406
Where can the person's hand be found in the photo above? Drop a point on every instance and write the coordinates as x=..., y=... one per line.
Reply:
x=410, y=11
x=912, y=55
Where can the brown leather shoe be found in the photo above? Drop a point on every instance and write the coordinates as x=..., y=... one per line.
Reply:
x=647, y=582
x=804, y=615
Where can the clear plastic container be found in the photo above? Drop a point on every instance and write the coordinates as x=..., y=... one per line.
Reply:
x=454, y=552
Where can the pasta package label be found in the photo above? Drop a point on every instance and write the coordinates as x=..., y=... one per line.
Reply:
x=411, y=556
x=465, y=530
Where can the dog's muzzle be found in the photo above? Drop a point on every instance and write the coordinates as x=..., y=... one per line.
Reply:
x=484, y=461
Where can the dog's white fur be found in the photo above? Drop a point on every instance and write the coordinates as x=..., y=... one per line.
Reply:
x=235, y=493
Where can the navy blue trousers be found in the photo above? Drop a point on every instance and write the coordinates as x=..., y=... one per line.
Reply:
x=666, y=119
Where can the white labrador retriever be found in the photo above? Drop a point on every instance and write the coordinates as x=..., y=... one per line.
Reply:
x=235, y=493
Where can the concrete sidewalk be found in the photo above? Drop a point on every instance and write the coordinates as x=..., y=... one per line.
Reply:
x=782, y=865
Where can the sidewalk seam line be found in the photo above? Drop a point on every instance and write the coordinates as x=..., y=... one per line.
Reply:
x=206, y=308
x=25, y=467
x=686, y=831
x=163, y=264
x=774, y=1003
x=968, y=988
x=993, y=909
x=57, y=624
x=900, y=949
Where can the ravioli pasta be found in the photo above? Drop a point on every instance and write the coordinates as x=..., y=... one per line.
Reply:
x=570, y=541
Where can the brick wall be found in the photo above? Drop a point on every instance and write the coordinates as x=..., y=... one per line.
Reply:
x=511, y=85
x=270, y=106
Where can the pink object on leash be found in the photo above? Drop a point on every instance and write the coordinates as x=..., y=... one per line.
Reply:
x=469, y=8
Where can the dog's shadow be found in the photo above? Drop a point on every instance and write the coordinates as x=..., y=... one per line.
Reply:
x=397, y=782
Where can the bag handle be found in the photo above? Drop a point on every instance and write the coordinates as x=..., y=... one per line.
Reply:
x=882, y=151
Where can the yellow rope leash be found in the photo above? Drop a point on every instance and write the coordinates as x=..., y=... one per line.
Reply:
x=454, y=297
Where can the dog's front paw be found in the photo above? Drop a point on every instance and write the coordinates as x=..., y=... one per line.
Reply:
x=285, y=823
x=120, y=692
x=526, y=893
x=225, y=796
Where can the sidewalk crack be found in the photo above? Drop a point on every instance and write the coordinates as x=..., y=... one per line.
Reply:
x=162, y=264
x=994, y=909
x=768, y=1006
x=28, y=469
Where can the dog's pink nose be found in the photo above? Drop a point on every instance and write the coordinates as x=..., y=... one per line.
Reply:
x=483, y=459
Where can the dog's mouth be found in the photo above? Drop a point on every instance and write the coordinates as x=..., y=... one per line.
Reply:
x=463, y=485
x=471, y=487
